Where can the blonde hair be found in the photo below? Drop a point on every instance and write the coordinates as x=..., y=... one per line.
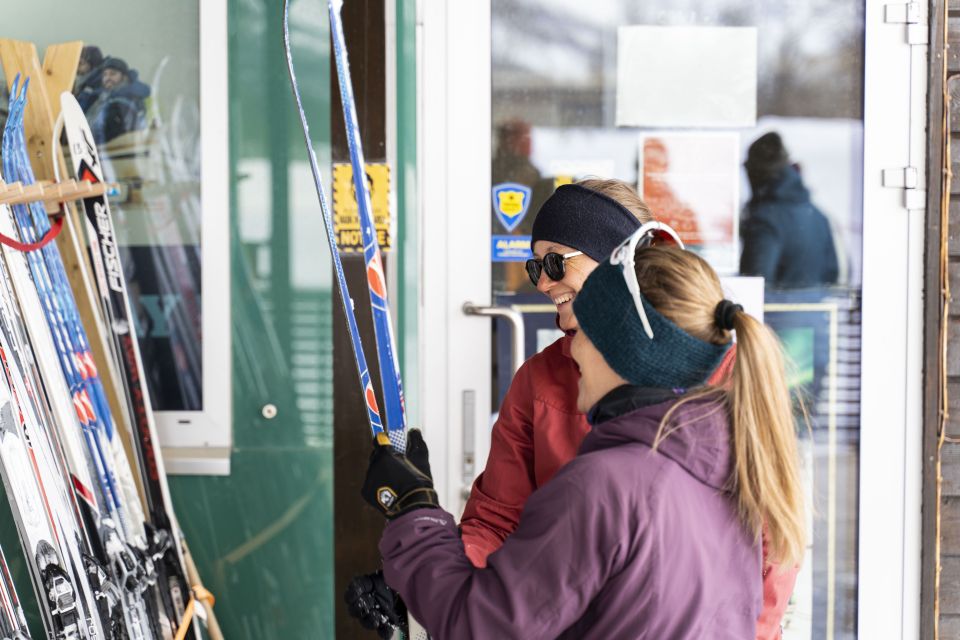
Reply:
x=766, y=481
x=623, y=193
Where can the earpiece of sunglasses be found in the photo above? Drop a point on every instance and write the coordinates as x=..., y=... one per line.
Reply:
x=648, y=235
x=552, y=263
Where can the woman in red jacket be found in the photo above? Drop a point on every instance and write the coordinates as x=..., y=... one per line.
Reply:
x=539, y=428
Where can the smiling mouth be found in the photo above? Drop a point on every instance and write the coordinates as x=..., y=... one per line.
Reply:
x=562, y=299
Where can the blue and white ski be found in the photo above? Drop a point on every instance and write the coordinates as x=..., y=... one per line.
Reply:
x=109, y=518
x=73, y=590
x=396, y=419
x=373, y=411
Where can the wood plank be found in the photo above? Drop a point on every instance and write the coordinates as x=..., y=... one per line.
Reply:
x=953, y=420
x=60, y=71
x=954, y=274
x=18, y=57
x=954, y=165
x=949, y=627
x=953, y=233
x=950, y=586
x=950, y=526
x=950, y=457
x=953, y=55
x=932, y=311
x=953, y=348
x=953, y=88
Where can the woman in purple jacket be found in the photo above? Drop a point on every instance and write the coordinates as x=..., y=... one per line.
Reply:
x=653, y=530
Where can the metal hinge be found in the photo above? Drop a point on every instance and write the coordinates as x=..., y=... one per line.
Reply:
x=911, y=14
x=908, y=179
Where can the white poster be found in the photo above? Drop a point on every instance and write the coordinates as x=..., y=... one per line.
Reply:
x=686, y=76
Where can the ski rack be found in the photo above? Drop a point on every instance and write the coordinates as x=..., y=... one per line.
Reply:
x=53, y=195
x=49, y=80
x=50, y=193
x=56, y=75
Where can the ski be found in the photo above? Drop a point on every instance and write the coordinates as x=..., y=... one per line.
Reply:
x=396, y=420
x=65, y=555
x=376, y=283
x=115, y=303
x=53, y=583
x=373, y=411
x=117, y=546
x=13, y=624
x=390, y=378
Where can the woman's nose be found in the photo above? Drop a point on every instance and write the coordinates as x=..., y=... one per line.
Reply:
x=544, y=283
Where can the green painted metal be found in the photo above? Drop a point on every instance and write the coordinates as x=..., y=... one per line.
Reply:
x=263, y=536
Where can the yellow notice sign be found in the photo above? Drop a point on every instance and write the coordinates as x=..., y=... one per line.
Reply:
x=346, y=219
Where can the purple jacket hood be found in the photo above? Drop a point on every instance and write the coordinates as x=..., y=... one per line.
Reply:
x=698, y=440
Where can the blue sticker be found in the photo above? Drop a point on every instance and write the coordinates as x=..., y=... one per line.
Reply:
x=510, y=248
x=510, y=202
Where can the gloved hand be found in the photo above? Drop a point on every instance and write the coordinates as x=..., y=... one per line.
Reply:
x=417, y=452
x=376, y=605
x=396, y=484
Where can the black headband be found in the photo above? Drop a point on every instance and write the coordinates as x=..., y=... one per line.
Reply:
x=585, y=220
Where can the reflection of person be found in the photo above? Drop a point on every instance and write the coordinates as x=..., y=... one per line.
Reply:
x=653, y=529
x=119, y=108
x=660, y=195
x=88, y=83
x=539, y=428
x=786, y=239
x=511, y=163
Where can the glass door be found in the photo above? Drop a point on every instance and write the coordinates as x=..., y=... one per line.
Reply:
x=677, y=100
x=726, y=116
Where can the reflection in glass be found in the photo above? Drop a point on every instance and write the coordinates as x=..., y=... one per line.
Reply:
x=138, y=84
x=554, y=107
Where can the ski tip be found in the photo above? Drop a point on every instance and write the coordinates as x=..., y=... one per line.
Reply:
x=382, y=439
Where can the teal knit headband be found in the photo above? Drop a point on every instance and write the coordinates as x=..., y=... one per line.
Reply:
x=672, y=359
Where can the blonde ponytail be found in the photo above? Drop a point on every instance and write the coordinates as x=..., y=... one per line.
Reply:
x=766, y=479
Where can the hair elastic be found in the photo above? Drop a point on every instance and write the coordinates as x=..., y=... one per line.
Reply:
x=725, y=313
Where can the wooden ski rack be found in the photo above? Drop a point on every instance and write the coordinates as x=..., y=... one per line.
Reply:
x=50, y=193
x=48, y=81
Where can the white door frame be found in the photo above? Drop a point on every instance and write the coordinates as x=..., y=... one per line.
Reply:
x=892, y=349
x=454, y=154
x=453, y=124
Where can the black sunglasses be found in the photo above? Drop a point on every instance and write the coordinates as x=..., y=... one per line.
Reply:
x=552, y=263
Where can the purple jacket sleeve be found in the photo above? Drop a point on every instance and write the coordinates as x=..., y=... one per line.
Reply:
x=536, y=585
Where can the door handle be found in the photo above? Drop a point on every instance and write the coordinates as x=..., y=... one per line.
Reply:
x=468, y=422
x=510, y=315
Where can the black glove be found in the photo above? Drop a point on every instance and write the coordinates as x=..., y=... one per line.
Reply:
x=417, y=452
x=376, y=605
x=394, y=483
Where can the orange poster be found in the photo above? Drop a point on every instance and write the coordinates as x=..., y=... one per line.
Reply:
x=691, y=181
